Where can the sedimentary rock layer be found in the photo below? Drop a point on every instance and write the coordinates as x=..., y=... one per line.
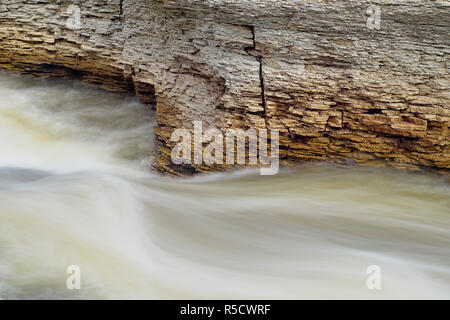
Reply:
x=334, y=87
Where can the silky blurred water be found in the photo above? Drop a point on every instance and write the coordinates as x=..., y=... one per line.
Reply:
x=76, y=189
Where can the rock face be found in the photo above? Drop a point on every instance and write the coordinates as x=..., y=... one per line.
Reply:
x=336, y=87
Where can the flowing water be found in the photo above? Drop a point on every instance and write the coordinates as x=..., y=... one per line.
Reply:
x=76, y=189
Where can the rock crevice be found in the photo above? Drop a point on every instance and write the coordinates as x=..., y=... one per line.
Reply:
x=253, y=51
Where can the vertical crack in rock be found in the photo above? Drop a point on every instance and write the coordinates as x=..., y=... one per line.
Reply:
x=253, y=51
x=263, y=95
x=121, y=9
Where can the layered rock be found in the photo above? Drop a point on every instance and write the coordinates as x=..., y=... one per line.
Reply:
x=335, y=88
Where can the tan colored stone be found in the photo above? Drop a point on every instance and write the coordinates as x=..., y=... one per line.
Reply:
x=334, y=88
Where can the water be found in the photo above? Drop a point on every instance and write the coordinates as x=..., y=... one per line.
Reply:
x=75, y=189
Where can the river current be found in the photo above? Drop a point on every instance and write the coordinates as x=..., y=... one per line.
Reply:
x=76, y=190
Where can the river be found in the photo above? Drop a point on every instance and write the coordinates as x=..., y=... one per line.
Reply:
x=76, y=189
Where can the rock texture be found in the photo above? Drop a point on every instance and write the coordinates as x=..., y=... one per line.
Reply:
x=335, y=88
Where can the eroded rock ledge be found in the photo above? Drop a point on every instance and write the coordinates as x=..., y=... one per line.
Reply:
x=334, y=88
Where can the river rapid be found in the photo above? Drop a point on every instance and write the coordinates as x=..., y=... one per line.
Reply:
x=76, y=189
